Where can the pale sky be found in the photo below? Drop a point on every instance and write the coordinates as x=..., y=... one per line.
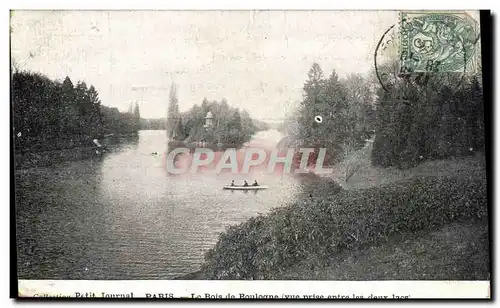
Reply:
x=257, y=60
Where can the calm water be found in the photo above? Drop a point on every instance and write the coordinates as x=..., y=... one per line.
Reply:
x=123, y=217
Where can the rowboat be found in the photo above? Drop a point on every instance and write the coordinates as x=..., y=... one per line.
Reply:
x=244, y=187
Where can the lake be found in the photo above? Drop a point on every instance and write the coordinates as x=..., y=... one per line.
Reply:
x=122, y=216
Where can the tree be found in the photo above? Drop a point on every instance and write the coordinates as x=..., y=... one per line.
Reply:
x=361, y=103
x=325, y=99
x=172, y=112
x=137, y=116
x=69, y=113
x=95, y=111
x=181, y=132
x=314, y=84
x=313, y=88
x=247, y=125
x=234, y=129
x=67, y=84
x=337, y=130
x=84, y=106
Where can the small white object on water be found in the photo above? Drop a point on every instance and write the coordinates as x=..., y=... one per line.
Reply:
x=19, y=134
x=86, y=269
x=470, y=149
x=420, y=157
x=96, y=142
x=318, y=119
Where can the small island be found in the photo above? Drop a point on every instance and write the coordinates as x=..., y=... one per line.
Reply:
x=212, y=124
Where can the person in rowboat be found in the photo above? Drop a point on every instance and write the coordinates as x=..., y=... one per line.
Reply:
x=232, y=183
x=245, y=184
x=255, y=183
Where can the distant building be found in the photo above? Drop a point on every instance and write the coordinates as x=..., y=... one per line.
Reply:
x=209, y=120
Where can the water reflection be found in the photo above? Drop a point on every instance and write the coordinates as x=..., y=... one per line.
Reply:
x=125, y=218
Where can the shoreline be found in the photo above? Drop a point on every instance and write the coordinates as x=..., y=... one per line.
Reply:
x=27, y=158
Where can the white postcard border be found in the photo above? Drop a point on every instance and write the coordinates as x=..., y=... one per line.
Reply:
x=6, y=211
x=264, y=289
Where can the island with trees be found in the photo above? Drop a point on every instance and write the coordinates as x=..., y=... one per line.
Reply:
x=213, y=124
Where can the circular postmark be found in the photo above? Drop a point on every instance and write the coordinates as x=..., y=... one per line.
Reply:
x=437, y=42
x=384, y=45
x=387, y=62
x=444, y=46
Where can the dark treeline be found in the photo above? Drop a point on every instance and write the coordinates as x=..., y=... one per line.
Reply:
x=427, y=116
x=49, y=114
x=261, y=125
x=227, y=125
x=154, y=124
x=414, y=118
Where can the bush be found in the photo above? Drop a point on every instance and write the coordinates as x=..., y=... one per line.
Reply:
x=321, y=227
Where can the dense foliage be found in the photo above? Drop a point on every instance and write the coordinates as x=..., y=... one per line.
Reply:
x=326, y=226
x=230, y=126
x=414, y=118
x=48, y=113
x=428, y=116
x=154, y=124
x=344, y=108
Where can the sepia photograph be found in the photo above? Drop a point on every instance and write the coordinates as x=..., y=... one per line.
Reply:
x=300, y=146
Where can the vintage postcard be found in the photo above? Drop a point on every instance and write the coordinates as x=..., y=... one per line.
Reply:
x=250, y=154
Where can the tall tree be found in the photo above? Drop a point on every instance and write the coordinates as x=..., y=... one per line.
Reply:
x=323, y=113
x=137, y=116
x=67, y=84
x=247, y=125
x=337, y=129
x=361, y=110
x=84, y=107
x=69, y=109
x=234, y=129
x=312, y=99
x=172, y=112
x=95, y=111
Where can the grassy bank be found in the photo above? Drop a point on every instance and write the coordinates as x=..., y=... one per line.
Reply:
x=330, y=223
x=457, y=251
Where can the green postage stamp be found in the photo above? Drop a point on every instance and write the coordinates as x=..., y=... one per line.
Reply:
x=438, y=42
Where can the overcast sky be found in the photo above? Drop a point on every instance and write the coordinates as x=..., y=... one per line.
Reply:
x=257, y=60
